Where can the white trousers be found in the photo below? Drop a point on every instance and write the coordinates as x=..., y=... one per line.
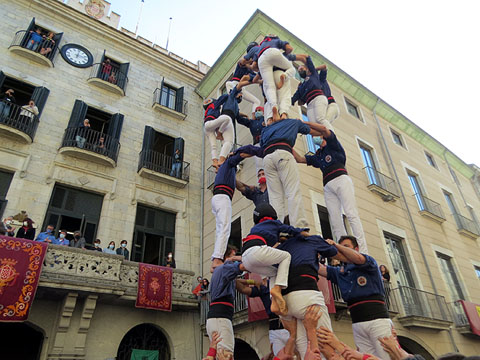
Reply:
x=224, y=328
x=332, y=112
x=339, y=193
x=297, y=303
x=284, y=94
x=317, y=111
x=258, y=163
x=270, y=58
x=222, y=209
x=224, y=124
x=366, y=334
x=260, y=260
x=278, y=339
x=247, y=95
x=283, y=182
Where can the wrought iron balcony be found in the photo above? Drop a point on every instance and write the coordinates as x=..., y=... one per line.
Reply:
x=381, y=184
x=466, y=226
x=157, y=166
x=17, y=122
x=85, y=143
x=423, y=309
x=113, y=79
x=43, y=52
x=429, y=208
x=459, y=317
x=67, y=268
x=175, y=110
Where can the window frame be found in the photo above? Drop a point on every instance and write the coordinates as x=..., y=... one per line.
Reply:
x=394, y=133
x=431, y=160
x=357, y=108
x=421, y=190
x=169, y=96
x=447, y=265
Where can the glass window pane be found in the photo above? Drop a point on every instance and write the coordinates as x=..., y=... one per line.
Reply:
x=451, y=205
x=477, y=271
x=417, y=191
x=352, y=109
x=369, y=165
x=453, y=284
x=399, y=260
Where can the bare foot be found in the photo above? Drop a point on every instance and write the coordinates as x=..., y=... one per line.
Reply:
x=219, y=136
x=215, y=263
x=284, y=116
x=274, y=308
x=276, y=116
x=276, y=293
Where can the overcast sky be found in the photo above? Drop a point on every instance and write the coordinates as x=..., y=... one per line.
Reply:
x=422, y=57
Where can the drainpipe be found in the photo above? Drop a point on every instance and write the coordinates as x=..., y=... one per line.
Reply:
x=410, y=217
x=202, y=208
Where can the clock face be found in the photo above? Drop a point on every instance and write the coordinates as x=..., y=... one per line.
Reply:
x=77, y=55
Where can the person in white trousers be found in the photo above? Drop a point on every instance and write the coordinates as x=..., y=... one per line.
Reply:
x=239, y=73
x=361, y=285
x=338, y=188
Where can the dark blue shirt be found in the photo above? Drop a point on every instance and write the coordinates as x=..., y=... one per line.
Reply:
x=310, y=87
x=35, y=37
x=331, y=154
x=230, y=107
x=283, y=131
x=357, y=281
x=213, y=110
x=304, y=251
x=252, y=54
x=273, y=43
x=270, y=230
x=223, y=280
x=226, y=173
x=255, y=126
x=324, y=84
x=240, y=71
x=256, y=195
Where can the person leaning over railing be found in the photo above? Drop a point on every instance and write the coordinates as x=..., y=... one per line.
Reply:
x=35, y=39
x=81, y=133
x=48, y=44
x=28, y=112
x=6, y=101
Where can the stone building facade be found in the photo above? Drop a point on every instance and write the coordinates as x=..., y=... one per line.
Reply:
x=115, y=180
x=418, y=203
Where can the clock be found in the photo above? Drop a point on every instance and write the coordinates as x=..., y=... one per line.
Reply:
x=77, y=55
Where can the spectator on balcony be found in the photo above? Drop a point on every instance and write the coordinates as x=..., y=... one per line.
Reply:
x=170, y=261
x=110, y=249
x=62, y=238
x=197, y=288
x=35, y=39
x=28, y=112
x=26, y=231
x=177, y=164
x=385, y=273
x=78, y=240
x=112, y=78
x=48, y=44
x=96, y=245
x=6, y=101
x=122, y=250
x=81, y=133
x=47, y=236
x=257, y=194
x=8, y=225
x=205, y=290
x=106, y=69
x=100, y=147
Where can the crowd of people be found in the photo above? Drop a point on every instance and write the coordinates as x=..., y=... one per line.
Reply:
x=40, y=41
x=280, y=247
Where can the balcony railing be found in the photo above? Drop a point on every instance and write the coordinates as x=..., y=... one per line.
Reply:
x=431, y=207
x=420, y=305
x=164, y=164
x=46, y=49
x=240, y=304
x=379, y=180
x=466, y=225
x=91, y=140
x=24, y=121
x=113, y=78
x=458, y=313
x=158, y=100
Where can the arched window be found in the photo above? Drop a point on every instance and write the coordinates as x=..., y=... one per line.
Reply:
x=144, y=340
x=13, y=337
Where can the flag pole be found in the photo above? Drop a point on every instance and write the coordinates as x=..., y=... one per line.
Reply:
x=139, y=16
x=168, y=36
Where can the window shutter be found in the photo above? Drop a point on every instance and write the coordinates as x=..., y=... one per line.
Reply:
x=115, y=126
x=122, y=76
x=78, y=114
x=57, y=38
x=27, y=33
x=148, y=138
x=99, y=71
x=180, y=145
x=40, y=95
x=2, y=78
x=179, y=100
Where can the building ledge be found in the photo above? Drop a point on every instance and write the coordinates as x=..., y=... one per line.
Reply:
x=157, y=176
x=31, y=55
x=87, y=155
x=432, y=216
x=18, y=135
x=169, y=112
x=468, y=234
x=384, y=194
x=106, y=85
x=424, y=322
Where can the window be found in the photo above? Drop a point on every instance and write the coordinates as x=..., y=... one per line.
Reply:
x=47, y=46
x=324, y=222
x=450, y=202
x=5, y=180
x=352, y=109
x=417, y=190
x=454, y=176
x=397, y=138
x=370, y=167
x=312, y=147
x=113, y=71
x=477, y=271
x=450, y=276
x=170, y=97
x=399, y=260
x=430, y=160
x=235, y=238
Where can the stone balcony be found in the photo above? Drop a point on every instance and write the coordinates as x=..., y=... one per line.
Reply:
x=68, y=269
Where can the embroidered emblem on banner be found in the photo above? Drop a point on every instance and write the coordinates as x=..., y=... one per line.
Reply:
x=8, y=273
x=95, y=8
x=362, y=280
x=328, y=158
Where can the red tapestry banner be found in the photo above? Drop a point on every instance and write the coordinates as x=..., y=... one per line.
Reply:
x=20, y=267
x=473, y=315
x=325, y=286
x=154, y=287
